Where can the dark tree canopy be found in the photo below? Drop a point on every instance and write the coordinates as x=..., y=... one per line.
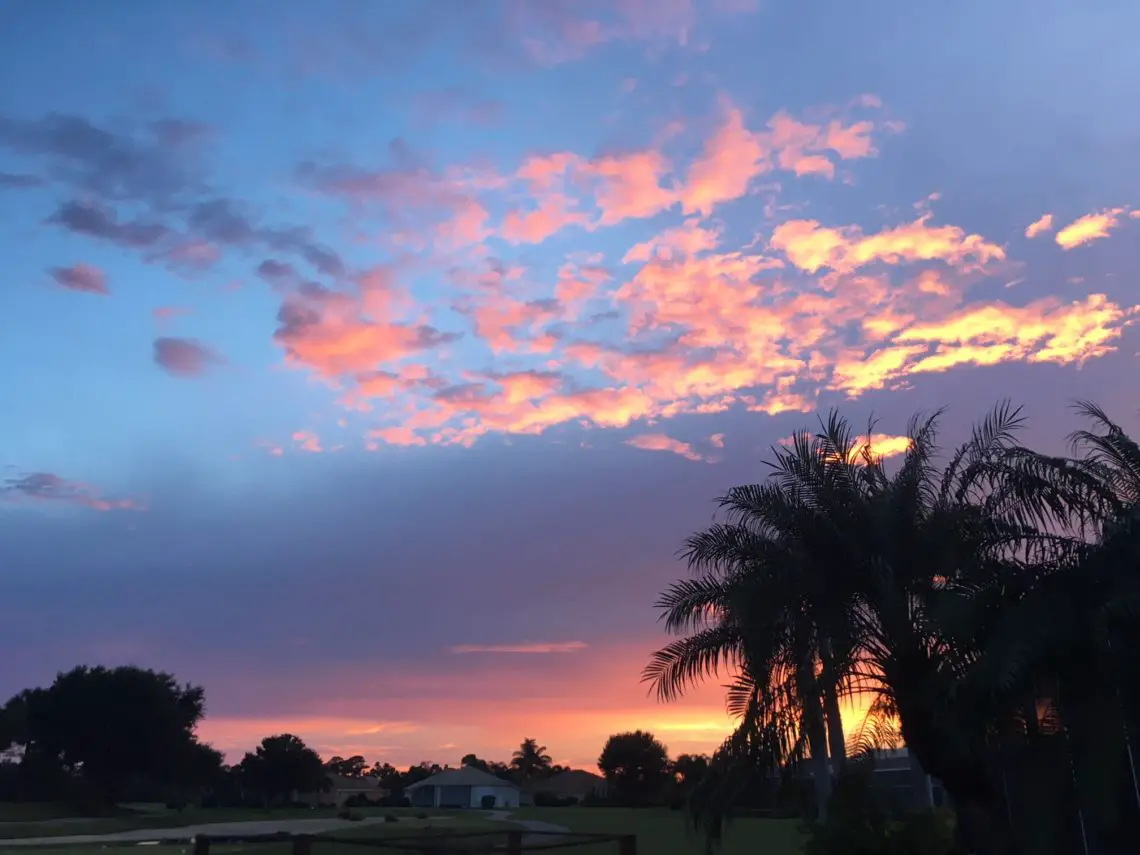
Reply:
x=109, y=726
x=350, y=767
x=281, y=766
x=531, y=759
x=636, y=765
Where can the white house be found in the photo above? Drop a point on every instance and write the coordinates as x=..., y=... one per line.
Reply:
x=466, y=787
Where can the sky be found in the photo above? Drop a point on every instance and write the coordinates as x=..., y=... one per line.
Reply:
x=368, y=363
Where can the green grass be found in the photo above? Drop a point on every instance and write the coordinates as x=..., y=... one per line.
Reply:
x=665, y=832
x=437, y=822
x=26, y=825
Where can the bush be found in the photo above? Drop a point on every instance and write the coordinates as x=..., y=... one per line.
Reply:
x=421, y=815
x=544, y=799
x=394, y=801
x=346, y=813
x=391, y=817
x=925, y=832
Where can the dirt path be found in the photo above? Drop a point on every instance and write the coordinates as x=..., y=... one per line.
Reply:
x=261, y=826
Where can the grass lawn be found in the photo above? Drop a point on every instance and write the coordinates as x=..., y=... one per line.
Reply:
x=37, y=820
x=408, y=825
x=665, y=832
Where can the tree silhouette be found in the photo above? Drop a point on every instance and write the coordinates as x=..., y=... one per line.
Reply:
x=636, y=766
x=108, y=726
x=531, y=759
x=281, y=766
x=956, y=595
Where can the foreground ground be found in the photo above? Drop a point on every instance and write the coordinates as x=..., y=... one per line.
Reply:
x=659, y=831
x=666, y=832
x=39, y=821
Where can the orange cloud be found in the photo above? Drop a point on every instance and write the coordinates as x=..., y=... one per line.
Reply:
x=525, y=648
x=413, y=713
x=661, y=442
x=1088, y=228
x=879, y=445
x=812, y=247
x=717, y=440
x=1042, y=224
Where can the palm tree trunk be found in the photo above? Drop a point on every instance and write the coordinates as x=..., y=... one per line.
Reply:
x=816, y=727
x=836, y=741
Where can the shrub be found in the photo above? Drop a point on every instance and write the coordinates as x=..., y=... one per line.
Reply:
x=925, y=832
x=545, y=799
x=391, y=817
x=421, y=815
x=346, y=813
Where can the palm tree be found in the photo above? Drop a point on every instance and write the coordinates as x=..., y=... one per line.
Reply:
x=768, y=604
x=531, y=759
x=839, y=576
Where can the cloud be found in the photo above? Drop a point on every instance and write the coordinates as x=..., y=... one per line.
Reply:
x=308, y=440
x=51, y=488
x=1042, y=224
x=152, y=163
x=879, y=445
x=1088, y=228
x=93, y=220
x=717, y=440
x=812, y=247
x=183, y=357
x=454, y=104
x=19, y=181
x=731, y=158
x=661, y=442
x=81, y=277
x=525, y=648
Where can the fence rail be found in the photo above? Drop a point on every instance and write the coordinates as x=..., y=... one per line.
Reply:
x=517, y=841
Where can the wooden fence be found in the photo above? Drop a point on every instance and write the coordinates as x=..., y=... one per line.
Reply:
x=442, y=842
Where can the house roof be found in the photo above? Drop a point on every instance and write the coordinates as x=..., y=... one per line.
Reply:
x=466, y=776
x=572, y=782
x=343, y=782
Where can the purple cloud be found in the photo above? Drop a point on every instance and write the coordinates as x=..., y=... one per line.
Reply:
x=89, y=219
x=183, y=357
x=80, y=277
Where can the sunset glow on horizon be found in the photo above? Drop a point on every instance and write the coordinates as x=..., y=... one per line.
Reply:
x=367, y=364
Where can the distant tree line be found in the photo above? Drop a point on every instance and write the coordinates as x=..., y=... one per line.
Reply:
x=100, y=736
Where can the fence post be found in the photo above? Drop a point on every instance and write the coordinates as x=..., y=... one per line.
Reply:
x=302, y=844
x=514, y=843
x=627, y=845
x=201, y=844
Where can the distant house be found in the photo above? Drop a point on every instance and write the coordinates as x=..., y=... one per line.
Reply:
x=342, y=788
x=466, y=787
x=574, y=784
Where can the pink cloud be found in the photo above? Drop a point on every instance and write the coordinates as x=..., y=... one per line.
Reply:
x=731, y=158
x=81, y=277
x=184, y=357
x=661, y=442
x=1042, y=224
x=49, y=487
x=308, y=440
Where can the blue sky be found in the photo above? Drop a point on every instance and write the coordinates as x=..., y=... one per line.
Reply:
x=337, y=337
